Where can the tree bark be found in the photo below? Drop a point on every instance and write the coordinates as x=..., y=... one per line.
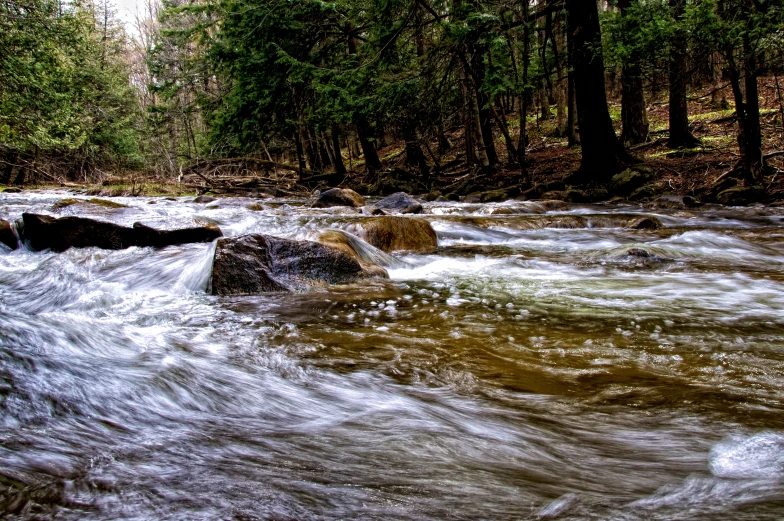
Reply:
x=372, y=162
x=340, y=168
x=634, y=116
x=680, y=135
x=601, y=151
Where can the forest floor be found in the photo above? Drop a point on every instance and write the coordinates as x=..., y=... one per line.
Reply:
x=683, y=171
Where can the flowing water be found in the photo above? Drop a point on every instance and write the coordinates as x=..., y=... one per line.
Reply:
x=520, y=372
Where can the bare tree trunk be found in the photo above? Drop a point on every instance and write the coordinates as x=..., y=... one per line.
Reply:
x=680, y=135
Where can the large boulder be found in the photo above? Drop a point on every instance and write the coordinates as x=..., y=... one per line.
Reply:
x=391, y=233
x=253, y=264
x=339, y=197
x=399, y=202
x=7, y=235
x=354, y=246
x=45, y=232
x=741, y=196
x=626, y=182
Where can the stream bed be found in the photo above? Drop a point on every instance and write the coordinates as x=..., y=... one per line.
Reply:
x=525, y=370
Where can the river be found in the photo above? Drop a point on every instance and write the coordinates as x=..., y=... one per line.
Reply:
x=520, y=372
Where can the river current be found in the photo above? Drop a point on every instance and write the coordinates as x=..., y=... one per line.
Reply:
x=523, y=371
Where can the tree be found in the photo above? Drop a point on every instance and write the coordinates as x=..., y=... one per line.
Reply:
x=680, y=134
x=602, y=153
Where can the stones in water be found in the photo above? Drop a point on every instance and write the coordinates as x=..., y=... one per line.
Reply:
x=339, y=197
x=12, y=190
x=204, y=199
x=7, y=235
x=44, y=232
x=399, y=202
x=676, y=202
x=644, y=223
x=253, y=264
x=391, y=233
x=104, y=203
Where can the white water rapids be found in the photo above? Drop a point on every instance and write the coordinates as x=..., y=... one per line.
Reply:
x=519, y=372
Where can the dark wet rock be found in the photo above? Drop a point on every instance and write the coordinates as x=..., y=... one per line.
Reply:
x=597, y=194
x=553, y=186
x=554, y=196
x=502, y=210
x=643, y=193
x=500, y=195
x=390, y=233
x=339, y=197
x=639, y=252
x=7, y=235
x=675, y=202
x=45, y=232
x=550, y=205
x=397, y=180
x=645, y=223
x=253, y=264
x=432, y=196
x=204, y=199
x=369, y=256
x=626, y=182
x=256, y=207
x=576, y=196
x=741, y=196
x=399, y=202
x=473, y=198
x=535, y=192
x=103, y=203
x=441, y=199
x=453, y=197
x=12, y=190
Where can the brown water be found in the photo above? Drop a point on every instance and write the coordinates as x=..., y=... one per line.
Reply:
x=519, y=372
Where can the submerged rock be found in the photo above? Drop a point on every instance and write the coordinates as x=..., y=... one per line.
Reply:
x=253, y=264
x=205, y=199
x=339, y=197
x=390, y=233
x=7, y=235
x=45, y=232
x=399, y=202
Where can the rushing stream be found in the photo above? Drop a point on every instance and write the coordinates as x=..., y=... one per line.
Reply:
x=519, y=372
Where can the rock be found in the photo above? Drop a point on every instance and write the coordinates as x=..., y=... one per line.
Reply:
x=550, y=205
x=644, y=223
x=65, y=203
x=397, y=180
x=642, y=193
x=432, y=196
x=45, y=232
x=7, y=235
x=741, y=196
x=12, y=190
x=576, y=196
x=596, y=194
x=453, y=197
x=256, y=207
x=390, y=233
x=675, y=202
x=253, y=264
x=553, y=186
x=339, y=197
x=497, y=196
x=399, y=202
x=204, y=199
x=441, y=199
x=357, y=248
x=473, y=198
x=554, y=196
x=626, y=182
x=723, y=183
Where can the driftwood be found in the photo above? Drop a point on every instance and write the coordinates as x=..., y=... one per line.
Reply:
x=241, y=173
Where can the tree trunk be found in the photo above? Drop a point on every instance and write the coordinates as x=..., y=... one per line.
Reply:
x=601, y=150
x=680, y=135
x=571, y=105
x=372, y=162
x=634, y=116
x=340, y=168
x=415, y=158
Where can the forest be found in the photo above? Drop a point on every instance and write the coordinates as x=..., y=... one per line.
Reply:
x=446, y=98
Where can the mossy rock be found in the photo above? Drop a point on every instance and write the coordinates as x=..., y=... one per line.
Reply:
x=554, y=196
x=432, y=196
x=741, y=196
x=65, y=203
x=643, y=193
x=626, y=182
